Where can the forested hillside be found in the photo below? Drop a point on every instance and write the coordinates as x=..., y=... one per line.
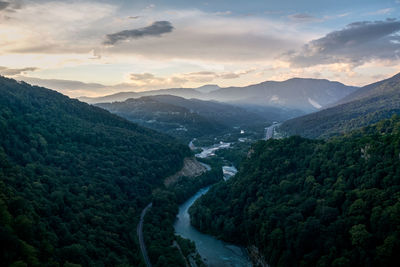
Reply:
x=309, y=202
x=366, y=106
x=73, y=179
x=186, y=118
x=167, y=117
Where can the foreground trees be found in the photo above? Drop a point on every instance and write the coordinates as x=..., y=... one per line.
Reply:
x=314, y=203
x=74, y=179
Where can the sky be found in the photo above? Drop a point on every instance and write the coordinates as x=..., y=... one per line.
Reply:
x=94, y=48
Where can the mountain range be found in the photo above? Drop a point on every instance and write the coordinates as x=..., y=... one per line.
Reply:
x=306, y=95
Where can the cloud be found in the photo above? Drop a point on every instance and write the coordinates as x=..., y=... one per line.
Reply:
x=12, y=72
x=383, y=11
x=4, y=5
x=137, y=82
x=197, y=35
x=209, y=37
x=155, y=29
x=302, y=18
x=149, y=80
x=11, y=6
x=70, y=27
x=151, y=6
x=141, y=76
x=356, y=44
x=223, y=13
x=209, y=76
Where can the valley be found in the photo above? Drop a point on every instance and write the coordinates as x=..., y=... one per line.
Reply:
x=207, y=185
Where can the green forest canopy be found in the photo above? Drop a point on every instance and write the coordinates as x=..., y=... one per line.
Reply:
x=73, y=179
x=309, y=202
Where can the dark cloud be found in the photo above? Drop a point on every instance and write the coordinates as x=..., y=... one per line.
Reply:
x=12, y=72
x=11, y=6
x=4, y=5
x=357, y=43
x=156, y=29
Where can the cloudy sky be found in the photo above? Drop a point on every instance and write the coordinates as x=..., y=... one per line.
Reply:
x=95, y=48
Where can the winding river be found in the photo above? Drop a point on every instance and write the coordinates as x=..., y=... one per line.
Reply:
x=215, y=252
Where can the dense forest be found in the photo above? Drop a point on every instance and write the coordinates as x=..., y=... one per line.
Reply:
x=73, y=179
x=309, y=202
x=367, y=105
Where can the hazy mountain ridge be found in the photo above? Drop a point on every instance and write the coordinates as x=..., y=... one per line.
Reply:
x=297, y=93
x=367, y=105
x=122, y=96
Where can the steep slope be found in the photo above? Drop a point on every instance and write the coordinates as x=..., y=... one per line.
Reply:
x=73, y=179
x=367, y=105
x=309, y=202
x=183, y=118
x=373, y=89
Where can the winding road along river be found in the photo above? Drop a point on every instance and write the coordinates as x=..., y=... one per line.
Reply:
x=215, y=252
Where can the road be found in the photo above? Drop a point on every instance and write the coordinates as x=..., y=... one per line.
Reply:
x=140, y=235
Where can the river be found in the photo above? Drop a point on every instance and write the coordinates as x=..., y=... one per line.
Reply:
x=210, y=151
x=215, y=252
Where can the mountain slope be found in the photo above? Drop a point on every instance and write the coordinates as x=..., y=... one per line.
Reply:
x=367, y=105
x=166, y=117
x=184, y=118
x=296, y=93
x=373, y=89
x=305, y=202
x=73, y=179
